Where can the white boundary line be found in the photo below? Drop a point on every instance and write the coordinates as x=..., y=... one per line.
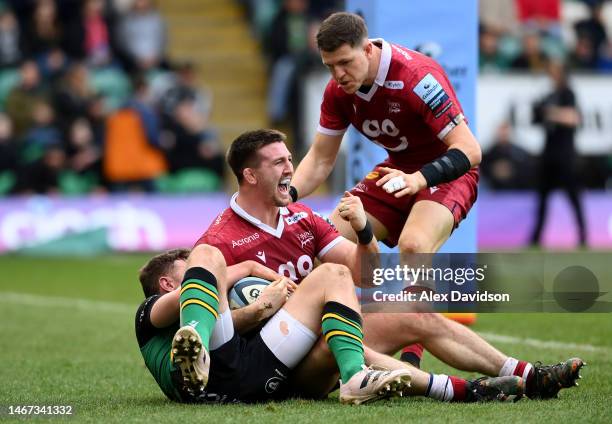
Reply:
x=116, y=307
x=65, y=302
x=542, y=344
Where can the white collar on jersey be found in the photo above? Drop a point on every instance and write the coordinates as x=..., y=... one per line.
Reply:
x=383, y=69
x=276, y=232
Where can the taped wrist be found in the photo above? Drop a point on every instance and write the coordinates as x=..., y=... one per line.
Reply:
x=448, y=167
x=366, y=235
x=293, y=193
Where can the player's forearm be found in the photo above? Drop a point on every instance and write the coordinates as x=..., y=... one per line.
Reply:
x=312, y=171
x=249, y=317
x=365, y=260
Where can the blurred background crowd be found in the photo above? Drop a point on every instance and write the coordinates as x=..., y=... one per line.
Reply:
x=92, y=99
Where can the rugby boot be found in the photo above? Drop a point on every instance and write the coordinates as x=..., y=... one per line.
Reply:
x=503, y=389
x=371, y=384
x=549, y=379
x=190, y=356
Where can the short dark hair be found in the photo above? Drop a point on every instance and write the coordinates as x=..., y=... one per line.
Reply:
x=341, y=28
x=157, y=266
x=243, y=151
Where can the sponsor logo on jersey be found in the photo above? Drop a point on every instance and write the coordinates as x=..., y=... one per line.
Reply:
x=326, y=219
x=430, y=91
x=296, y=217
x=361, y=187
x=444, y=109
x=262, y=256
x=305, y=238
x=433, y=189
x=218, y=220
x=402, y=52
x=394, y=107
x=394, y=85
x=372, y=175
x=245, y=240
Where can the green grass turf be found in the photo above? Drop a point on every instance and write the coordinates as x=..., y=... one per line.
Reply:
x=83, y=353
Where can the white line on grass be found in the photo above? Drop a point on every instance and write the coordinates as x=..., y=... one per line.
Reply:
x=115, y=307
x=65, y=302
x=542, y=344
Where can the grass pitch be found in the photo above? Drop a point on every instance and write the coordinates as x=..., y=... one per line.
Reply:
x=67, y=332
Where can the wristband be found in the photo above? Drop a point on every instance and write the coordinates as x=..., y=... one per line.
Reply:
x=293, y=193
x=448, y=167
x=366, y=235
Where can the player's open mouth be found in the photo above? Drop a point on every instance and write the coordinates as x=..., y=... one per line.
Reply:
x=283, y=187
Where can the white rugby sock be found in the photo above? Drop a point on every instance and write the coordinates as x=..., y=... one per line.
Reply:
x=508, y=367
x=223, y=330
x=440, y=388
x=513, y=366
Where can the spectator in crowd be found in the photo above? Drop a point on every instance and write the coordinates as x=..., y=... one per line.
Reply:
x=73, y=96
x=10, y=50
x=189, y=141
x=9, y=155
x=132, y=137
x=142, y=36
x=499, y=17
x=184, y=87
x=89, y=35
x=584, y=56
x=505, y=165
x=84, y=156
x=291, y=49
x=21, y=99
x=490, y=58
x=43, y=132
x=558, y=114
x=44, y=31
x=532, y=57
x=592, y=31
x=43, y=175
x=543, y=16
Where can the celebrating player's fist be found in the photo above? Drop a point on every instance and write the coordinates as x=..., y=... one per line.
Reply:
x=351, y=210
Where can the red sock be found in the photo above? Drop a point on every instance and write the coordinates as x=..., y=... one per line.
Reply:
x=459, y=391
x=525, y=370
x=521, y=369
x=413, y=354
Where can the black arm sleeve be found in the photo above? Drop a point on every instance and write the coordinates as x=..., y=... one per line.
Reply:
x=145, y=330
x=448, y=167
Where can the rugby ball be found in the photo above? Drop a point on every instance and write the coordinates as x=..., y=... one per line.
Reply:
x=246, y=291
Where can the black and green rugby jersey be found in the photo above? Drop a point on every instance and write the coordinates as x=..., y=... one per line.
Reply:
x=155, y=344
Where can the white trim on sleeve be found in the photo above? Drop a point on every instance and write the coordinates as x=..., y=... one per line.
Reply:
x=452, y=124
x=328, y=131
x=331, y=244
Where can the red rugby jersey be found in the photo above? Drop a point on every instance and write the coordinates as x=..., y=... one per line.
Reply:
x=408, y=110
x=289, y=249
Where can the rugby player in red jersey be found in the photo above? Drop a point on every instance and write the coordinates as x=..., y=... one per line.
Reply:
x=262, y=225
x=403, y=101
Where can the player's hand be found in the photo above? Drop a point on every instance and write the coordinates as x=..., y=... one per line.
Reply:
x=273, y=297
x=400, y=183
x=351, y=210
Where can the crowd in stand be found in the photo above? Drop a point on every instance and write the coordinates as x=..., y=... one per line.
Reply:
x=90, y=102
x=286, y=29
x=521, y=35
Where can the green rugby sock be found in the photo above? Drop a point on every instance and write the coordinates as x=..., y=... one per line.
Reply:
x=344, y=335
x=199, y=302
